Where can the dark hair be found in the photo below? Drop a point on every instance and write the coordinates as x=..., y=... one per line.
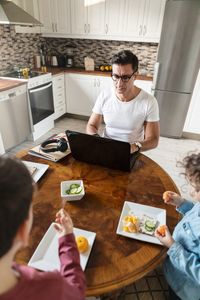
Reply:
x=16, y=189
x=191, y=164
x=125, y=57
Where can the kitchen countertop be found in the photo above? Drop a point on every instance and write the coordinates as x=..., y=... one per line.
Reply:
x=57, y=70
x=6, y=84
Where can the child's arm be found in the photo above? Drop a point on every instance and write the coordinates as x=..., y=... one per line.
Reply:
x=181, y=204
x=185, y=261
x=69, y=258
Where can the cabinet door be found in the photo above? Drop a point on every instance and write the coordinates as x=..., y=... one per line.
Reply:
x=80, y=94
x=95, y=17
x=115, y=10
x=134, y=16
x=153, y=18
x=79, y=16
x=102, y=84
x=61, y=16
x=45, y=9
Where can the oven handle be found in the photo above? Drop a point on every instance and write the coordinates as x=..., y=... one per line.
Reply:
x=40, y=88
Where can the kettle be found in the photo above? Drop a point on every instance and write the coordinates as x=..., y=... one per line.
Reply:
x=54, y=61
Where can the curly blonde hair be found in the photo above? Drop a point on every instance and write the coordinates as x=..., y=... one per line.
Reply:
x=191, y=164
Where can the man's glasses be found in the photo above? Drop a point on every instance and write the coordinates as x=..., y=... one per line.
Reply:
x=124, y=78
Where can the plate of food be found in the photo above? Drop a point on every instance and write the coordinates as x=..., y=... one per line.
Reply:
x=139, y=221
x=46, y=257
x=36, y=170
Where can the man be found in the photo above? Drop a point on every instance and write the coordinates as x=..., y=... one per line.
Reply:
x=130, y=114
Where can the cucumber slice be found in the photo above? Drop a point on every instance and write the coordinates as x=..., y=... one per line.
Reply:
x=73, y=191
x=74, y=185
x=78, y=190
x=150, y=225
x=67, y=191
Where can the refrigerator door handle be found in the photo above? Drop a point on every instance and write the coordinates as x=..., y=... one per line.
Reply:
x=155, y=75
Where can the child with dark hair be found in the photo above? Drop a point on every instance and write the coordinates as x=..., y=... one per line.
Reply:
x=23, y=282
x=182, y=266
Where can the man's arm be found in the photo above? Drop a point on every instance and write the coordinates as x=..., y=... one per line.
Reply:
x=93, y=124
x=151, y=137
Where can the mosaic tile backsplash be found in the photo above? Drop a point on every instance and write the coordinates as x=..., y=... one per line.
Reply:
x=102, y=51
x=18, y=49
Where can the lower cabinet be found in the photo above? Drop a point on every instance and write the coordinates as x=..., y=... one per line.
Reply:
x=59, y=95
x=82, y=92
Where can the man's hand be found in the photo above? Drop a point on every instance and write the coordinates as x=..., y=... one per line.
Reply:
x=167, y=240
x=63, y=223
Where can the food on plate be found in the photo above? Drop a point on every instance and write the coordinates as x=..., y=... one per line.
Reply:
x=131, y=224
x=139, y=224
x=74, y=189
x=161, y=230
x=148, y=224
x=82, y=244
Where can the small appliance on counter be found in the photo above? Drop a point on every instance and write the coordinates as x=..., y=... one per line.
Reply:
x=61, y=60
x=54, y=61
x=69, y=58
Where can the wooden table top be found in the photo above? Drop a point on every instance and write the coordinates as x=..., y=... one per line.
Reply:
x=115, y=261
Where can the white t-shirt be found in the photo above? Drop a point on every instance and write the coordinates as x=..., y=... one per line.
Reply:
x=125, y=120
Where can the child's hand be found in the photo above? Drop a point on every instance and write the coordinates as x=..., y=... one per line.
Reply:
x=166, y=239
x=172, y=198
x=63, y=223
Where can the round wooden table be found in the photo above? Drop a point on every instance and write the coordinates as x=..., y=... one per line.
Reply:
x=115, y=261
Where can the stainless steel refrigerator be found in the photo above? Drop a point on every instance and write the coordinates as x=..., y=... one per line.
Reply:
x=178, y=62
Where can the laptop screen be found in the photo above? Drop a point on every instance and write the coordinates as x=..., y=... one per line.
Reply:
x=101, y=151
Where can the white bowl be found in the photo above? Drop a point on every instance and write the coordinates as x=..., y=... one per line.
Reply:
x=65, y=185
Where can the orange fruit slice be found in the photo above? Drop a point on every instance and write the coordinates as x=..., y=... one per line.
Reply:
x=82, y=244
x=161, y=230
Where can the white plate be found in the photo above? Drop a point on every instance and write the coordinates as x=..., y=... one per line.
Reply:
x=139, y=210
x=40, y=169
x=46, y=257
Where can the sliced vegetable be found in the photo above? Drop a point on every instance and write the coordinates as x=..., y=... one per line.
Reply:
x=74, y=189
x=149, y=225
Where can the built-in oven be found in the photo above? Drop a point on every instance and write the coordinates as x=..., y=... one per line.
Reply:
x=41, y=102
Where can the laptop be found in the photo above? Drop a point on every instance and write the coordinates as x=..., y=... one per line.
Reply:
x=101, y=151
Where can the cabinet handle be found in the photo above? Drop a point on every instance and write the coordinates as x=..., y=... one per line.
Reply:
x=53, y=27
x=106, y=28
x=140, y=30
x=144, y=30
x=56, y=27
x=88, y=28
x=85, y=28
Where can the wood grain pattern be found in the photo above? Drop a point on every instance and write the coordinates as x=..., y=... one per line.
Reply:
x=6, y=84
x=115, y=261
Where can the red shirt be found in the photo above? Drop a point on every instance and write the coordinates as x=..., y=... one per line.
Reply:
x=68, y=284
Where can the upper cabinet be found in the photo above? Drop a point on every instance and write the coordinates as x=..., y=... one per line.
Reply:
x=128, y=20
x=143, y=20
x=87, y=17
x=55, y=16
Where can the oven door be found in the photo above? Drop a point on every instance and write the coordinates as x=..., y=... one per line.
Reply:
x=41, y=102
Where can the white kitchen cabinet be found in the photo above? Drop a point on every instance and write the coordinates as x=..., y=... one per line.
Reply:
x=143, y=20
x=146, y=85
x=55, y=16
x=59, y=95
x=192, y=123
x=115, y=11
x=88, y=17
x=82, y=92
